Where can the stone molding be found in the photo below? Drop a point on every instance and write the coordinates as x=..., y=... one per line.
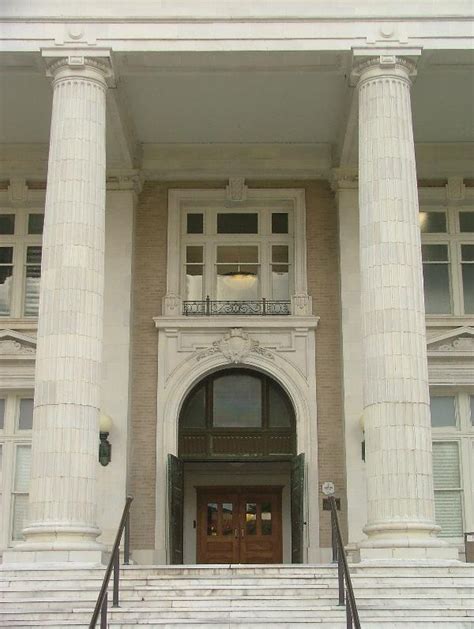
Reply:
x=14, y=345
x=235, y=346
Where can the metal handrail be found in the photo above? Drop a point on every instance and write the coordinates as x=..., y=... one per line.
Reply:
x=114, y=563
x=339, y=553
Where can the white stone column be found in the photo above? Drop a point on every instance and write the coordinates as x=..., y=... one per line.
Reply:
x=396, y=397
x=62, y=509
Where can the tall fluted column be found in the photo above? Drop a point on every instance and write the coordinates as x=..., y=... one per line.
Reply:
x=68, y=361
x=396, y=397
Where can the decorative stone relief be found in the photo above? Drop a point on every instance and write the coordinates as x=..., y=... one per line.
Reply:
x=236, y=345
x=236, y=190
x=10, y=346
x=301, y=305
x=455, y=189
x=172, y=305
x=463, y=344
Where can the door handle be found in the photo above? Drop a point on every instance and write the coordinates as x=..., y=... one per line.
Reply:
x=242, y=532
x=236, y=533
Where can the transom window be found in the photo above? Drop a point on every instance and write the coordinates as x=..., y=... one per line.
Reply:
x=237, y=255
x=237, y=413
x=20, y=263
x=452, y=420
x=448, y=260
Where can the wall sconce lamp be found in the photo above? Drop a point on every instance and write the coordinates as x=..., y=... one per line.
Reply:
x=105, y=447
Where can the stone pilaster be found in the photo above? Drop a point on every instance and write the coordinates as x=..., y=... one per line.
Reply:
x=68, y=361
x=396, y=397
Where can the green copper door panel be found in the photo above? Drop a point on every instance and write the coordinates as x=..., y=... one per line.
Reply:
x=175, y=508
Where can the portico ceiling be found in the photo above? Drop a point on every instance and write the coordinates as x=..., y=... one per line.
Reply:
x=245, y=97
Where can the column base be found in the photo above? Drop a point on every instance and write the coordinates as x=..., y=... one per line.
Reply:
x=21, y=557
x=405, y=540
x=57, y=544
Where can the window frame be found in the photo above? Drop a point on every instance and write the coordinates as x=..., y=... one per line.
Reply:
x=453, y=238
x=182, y=201
x=20, y=240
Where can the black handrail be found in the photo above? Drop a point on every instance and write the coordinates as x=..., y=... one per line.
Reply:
x=114, y=563
x=339, y=554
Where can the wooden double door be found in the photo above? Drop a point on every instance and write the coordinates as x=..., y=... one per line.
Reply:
x=239, y=525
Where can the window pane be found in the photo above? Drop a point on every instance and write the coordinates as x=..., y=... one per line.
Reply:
x=22, y=468
x=194, y=224
x=466, y=221
x=237, y=401
x=266, y=518
x=237, y=254
x=32, y=281
x=448, y=513
x=432, y=222
x=279, y=222
x=194, y=413
x=446, y=473
x=25, y=420
x=237, y=223
x=7, y=223
x=212, y=518
x=2, y=413
x=468, y=287
x=467, y=253
x=280, y=282
x=280, y=254
x=442, y=411
x=20, y=514
x=250, y=518
x=279, y=412
x=6, y=273
x=194, y=282
x=194, y=254
x=6, y=255
x=435, y=253
x=35, y=223
x=437, y=291
x=237, y=282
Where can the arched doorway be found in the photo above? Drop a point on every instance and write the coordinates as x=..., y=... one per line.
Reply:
x=234, y=476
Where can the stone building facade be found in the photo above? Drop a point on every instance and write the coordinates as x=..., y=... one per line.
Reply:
x=246, y=237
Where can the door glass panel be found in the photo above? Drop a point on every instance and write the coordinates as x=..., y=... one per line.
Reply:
x=250, y=518
x=227, y=518
x=266, y=518
x=212, y=518
x=237, y=401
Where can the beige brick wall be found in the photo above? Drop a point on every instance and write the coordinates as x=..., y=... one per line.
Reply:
x=149, y=289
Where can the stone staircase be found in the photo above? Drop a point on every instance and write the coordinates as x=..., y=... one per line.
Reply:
x=240, y=597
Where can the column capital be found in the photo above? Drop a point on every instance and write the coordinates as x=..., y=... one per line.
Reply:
x=344, y=178
x=66, y=64
x=381, y=66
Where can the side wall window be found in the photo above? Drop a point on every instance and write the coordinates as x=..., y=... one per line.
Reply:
x=452, y=420
x=20, y=263
x=16, y=422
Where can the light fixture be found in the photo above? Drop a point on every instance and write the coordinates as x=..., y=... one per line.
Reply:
x=242, y=280
x=105, y=447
